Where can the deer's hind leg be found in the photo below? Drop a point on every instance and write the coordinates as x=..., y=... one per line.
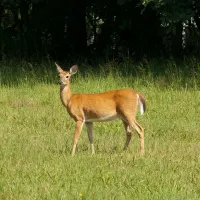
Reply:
x=129, y=134
x=140, y=131
x=130, y=122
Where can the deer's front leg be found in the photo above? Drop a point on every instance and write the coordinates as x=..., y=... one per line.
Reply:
x=79, y=125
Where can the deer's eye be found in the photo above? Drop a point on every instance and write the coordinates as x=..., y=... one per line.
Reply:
x=67, y=76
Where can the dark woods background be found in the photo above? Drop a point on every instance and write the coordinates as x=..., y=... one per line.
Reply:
x=98, y=28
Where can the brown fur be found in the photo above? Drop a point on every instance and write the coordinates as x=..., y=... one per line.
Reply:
x=89, y=108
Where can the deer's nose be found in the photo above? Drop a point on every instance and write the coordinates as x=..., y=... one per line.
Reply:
x=60, y=82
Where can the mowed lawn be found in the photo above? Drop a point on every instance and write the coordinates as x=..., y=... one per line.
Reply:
x=36, y=136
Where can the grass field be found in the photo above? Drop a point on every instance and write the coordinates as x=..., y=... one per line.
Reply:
x=36, y=136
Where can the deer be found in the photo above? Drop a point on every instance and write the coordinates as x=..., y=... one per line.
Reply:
x=101, y=107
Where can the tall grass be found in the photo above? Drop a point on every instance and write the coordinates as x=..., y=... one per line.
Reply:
x=36, y=134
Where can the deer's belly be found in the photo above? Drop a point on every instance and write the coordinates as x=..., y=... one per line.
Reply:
x=102, y=118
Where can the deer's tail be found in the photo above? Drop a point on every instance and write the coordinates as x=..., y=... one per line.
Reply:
x=142, y=104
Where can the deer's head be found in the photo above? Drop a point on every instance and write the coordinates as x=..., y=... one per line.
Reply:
x=65, y=75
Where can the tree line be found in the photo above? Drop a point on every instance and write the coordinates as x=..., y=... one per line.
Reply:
x=99, y=28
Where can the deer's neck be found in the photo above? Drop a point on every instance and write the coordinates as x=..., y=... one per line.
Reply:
x=65, y=94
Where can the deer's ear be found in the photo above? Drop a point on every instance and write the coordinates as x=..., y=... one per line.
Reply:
x=58, y=68
x=73, y=69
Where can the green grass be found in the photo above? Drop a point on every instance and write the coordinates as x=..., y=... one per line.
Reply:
x=36, y=136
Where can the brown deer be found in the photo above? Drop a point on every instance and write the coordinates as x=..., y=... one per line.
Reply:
x=101, y=107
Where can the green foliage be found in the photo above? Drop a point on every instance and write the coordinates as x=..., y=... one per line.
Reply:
x=173, y=12
x=34, y=29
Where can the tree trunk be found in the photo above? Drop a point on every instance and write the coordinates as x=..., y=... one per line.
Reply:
x=1, y=31
x=57, y=29
x=76, y=27
x=24, y=28
x=177, y=40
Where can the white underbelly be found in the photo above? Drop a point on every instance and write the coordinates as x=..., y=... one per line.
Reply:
x=102, y=119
